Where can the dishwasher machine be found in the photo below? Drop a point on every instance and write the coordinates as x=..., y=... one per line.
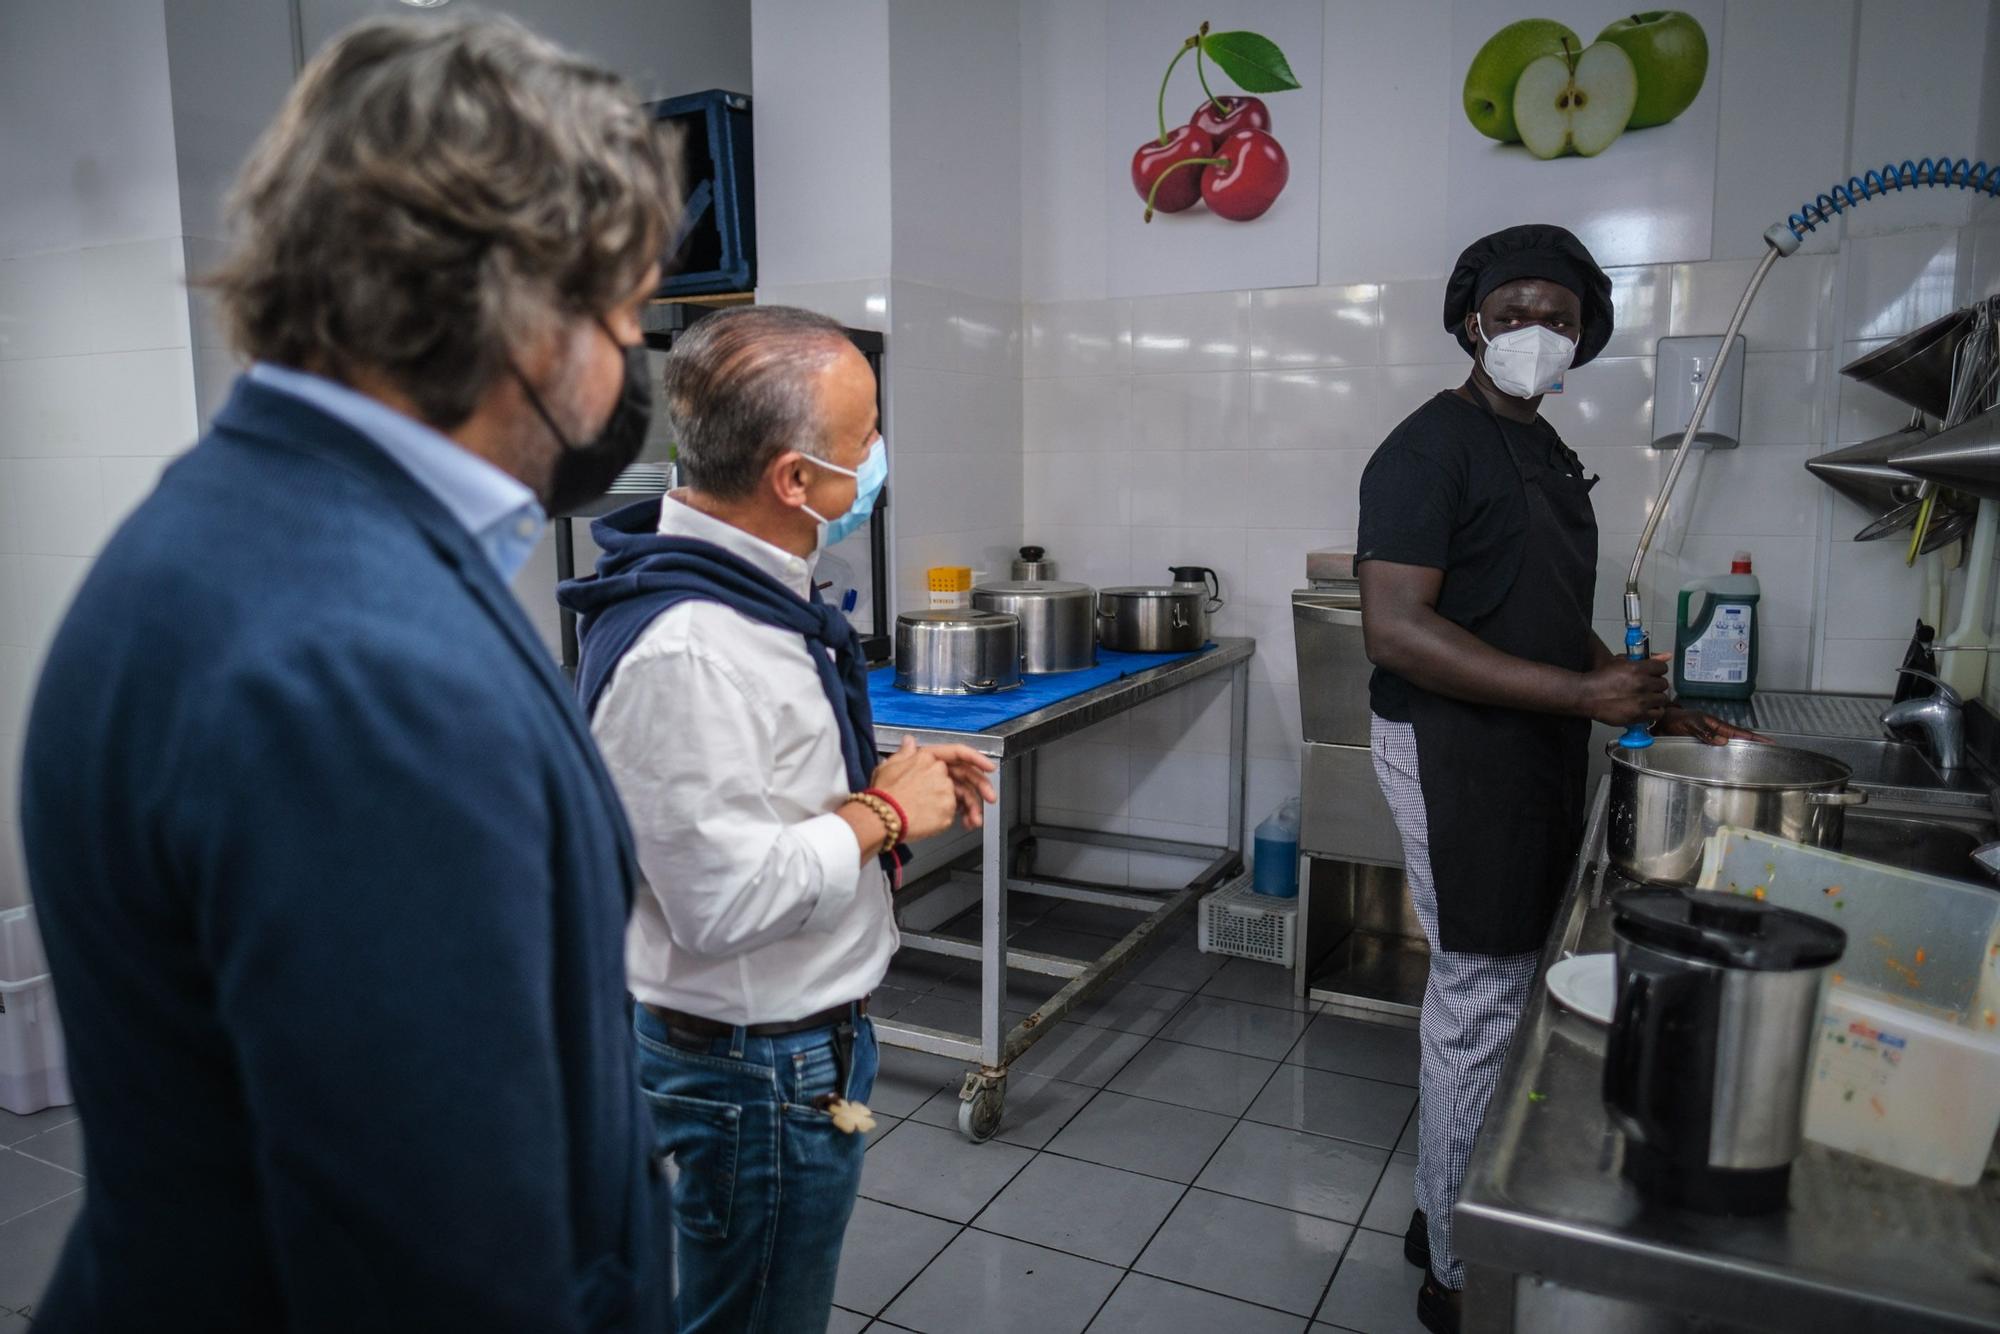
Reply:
x=1361, y=949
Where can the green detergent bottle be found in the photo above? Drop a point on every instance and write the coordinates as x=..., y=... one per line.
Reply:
x=1715, y=635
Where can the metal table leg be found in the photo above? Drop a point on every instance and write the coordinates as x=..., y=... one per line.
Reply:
x=985, y=1090
x=1239, y=733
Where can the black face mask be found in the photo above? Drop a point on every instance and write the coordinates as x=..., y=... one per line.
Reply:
x=585, y=472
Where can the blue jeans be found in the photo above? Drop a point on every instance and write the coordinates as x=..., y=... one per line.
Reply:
x=766, y=1184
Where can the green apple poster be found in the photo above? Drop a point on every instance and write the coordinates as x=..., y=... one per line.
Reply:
x=1598, y=118
x=1212, y=120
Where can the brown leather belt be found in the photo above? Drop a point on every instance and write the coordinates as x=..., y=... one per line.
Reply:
x=696, y=1026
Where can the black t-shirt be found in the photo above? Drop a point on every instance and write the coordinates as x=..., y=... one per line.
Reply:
x=1442, y=492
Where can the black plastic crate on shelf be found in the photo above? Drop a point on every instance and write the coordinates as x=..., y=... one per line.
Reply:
x=715, y=249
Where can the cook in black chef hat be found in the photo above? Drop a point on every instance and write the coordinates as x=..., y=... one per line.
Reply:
x=1528, y=303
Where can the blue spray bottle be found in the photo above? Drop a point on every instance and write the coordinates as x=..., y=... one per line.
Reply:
x=1637, y=736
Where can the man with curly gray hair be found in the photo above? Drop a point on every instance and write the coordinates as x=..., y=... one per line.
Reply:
x=332, y=879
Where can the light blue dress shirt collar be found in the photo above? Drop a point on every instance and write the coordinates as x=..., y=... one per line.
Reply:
x=500, y=512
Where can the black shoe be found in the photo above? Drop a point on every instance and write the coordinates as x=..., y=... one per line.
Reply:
x=1417, y=1241
x=1437, y=1306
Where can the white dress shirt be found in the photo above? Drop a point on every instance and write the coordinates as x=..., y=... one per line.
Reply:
x=758, y=907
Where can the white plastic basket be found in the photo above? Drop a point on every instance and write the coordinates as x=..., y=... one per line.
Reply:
x=33, y=1070
x=1237, y=920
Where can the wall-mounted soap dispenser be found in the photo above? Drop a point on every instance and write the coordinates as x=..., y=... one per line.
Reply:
x=1682, y=365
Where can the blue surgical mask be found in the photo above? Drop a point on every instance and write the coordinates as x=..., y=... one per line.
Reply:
x=868, y=479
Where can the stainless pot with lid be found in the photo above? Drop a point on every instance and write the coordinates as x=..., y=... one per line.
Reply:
x=1669, y=797
x=1057, y=621
x=1153, y=618
x=1707, y=1064
x=957, y=652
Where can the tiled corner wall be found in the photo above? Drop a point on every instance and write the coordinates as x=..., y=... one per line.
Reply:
x=96, y=396
x=1230, y=429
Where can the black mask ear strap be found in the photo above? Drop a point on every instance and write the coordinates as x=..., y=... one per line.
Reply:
x=535, y=399
x=535, y=402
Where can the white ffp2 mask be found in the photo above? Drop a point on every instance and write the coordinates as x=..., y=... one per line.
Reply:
x=1526, y=363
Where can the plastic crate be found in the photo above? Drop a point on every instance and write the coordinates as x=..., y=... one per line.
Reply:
x=33, y=1070
x=1236, y=920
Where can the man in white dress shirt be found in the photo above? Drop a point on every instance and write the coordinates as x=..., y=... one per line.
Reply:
x=731, y=706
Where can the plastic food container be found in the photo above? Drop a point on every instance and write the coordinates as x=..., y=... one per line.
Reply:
x=1906, y=1066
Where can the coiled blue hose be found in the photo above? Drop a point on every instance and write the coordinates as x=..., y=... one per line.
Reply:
x=1961, y=172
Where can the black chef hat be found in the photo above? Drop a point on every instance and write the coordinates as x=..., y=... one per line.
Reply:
x=1534, y=250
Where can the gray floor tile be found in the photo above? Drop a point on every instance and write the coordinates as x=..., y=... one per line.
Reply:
x=919, y=971
x=27, y=1185
x=1082, y=1209
x=1294, y=1170
x=1036, y=1108
x=950, y=1010
x=1140, y=1135
x=984, y=1284
x=884, y=1248
x=1147, y=1305
x=1066, y=942
x=1260, y=983
x=1352, y=1047
x=1097, y=919
x=1238, y=1026
x=14, y=1324
x=907, y=1079
x=1080, y=1054
x=1130, y=1007
x=939, y=1171
x=1025, y=991
x=1178, y=964
x=1365, y=1110
x=885, y=1001
x=62, y=1147
x=883, y=1125
x=845, y=1322
x=1395, y=1199
x=1407, y=1145
x=29, y=1246
x=14, y=1129
x=1247, y=1250
x=1214, y=1081
x=1374, y=1292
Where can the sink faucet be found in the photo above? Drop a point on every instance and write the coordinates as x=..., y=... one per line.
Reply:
x=1940, y=717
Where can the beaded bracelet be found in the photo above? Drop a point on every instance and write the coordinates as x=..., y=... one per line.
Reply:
x=885, y=812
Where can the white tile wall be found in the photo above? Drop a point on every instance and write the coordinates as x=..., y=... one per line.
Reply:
x=1135, y=457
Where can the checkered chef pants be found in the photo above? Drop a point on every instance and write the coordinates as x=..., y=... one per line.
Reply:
x=1471, y=1005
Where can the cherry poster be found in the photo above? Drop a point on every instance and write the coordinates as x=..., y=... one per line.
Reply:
x=1594, y=117
x=1213, y=125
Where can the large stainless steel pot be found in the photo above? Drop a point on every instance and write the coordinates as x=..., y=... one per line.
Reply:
x=1057, y=630
x=1668, y=798
x=1155, y=619
x=957, y=652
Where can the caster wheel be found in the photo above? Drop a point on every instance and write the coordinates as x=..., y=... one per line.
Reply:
x=979, y=1115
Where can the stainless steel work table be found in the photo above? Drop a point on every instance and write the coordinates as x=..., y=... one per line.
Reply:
x=1862, y=1247
x=1006, y=865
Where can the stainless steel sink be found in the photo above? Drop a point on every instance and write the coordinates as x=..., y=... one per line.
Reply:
x=1933, y=844
x=1896, y=770
x=1916, y=818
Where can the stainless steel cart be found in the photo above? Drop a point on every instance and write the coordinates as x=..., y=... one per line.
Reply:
x=1006, y=864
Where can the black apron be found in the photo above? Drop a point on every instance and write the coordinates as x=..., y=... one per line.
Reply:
x=1504, y=789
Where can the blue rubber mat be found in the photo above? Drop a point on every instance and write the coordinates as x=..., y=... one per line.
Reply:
x=976, y=713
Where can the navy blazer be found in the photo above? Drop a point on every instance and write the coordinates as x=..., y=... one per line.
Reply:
x=334, y=887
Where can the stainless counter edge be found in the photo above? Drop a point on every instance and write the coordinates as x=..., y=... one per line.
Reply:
x=1674, y=1261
